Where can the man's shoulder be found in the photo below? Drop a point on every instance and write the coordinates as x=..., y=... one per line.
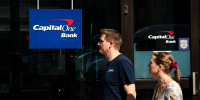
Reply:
x=123, y=58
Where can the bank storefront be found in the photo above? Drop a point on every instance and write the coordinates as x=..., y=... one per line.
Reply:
x=28, y=71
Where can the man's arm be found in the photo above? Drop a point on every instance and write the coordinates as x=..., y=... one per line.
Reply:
x=130, y=91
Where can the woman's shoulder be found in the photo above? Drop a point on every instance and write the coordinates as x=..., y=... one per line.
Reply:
x=173, y=87
x=173, y=90
x=173, y=84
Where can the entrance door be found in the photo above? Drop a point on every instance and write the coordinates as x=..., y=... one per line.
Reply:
x=152, y=20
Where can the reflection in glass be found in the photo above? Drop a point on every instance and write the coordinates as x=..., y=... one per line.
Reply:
x=159, y=26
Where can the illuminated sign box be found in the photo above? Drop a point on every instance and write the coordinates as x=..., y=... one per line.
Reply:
x=55, y=29
x=164, y=37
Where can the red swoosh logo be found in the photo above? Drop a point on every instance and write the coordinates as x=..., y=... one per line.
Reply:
x=69, y=21
x=170, y=33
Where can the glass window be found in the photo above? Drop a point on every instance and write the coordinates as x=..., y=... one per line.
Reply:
x=89, y=63
x=73, y=74
x=4, y=24
x=5, y=40
x=161, y=26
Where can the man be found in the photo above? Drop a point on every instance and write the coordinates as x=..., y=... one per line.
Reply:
x=118, y=81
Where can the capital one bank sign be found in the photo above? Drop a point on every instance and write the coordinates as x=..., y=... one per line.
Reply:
x=55, y=28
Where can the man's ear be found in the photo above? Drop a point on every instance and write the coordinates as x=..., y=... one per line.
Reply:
x=111, y=43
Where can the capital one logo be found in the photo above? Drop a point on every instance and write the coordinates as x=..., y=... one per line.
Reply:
x=169, y=38
x=59, y=28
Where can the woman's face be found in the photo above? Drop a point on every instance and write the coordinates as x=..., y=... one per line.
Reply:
x=153, y=67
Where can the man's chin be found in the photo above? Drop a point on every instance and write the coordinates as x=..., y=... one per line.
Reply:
x=101, y=52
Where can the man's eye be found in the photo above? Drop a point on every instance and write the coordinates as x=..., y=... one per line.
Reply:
x=100, y=41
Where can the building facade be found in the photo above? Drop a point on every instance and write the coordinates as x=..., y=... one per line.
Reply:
x=146, y=26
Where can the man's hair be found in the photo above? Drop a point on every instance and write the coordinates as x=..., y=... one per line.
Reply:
x=113, y=35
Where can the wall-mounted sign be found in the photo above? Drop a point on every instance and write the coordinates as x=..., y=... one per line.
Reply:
x=183, y=43
x=55, y=28
x=164, y=37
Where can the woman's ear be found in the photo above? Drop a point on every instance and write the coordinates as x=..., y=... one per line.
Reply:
x=160, y=66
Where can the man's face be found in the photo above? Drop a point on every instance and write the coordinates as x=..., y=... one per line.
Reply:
x=103, y=45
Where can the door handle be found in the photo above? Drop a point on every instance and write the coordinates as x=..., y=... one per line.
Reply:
x=194, y=82
x=21, y=79
x=10, y=79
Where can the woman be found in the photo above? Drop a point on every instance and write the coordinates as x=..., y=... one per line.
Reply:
x=160, y=67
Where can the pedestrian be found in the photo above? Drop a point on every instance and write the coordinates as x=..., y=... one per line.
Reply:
x=118, y=80
x=160, y=67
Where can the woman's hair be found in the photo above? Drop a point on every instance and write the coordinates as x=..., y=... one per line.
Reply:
x=113, y=35
x=168, y=62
